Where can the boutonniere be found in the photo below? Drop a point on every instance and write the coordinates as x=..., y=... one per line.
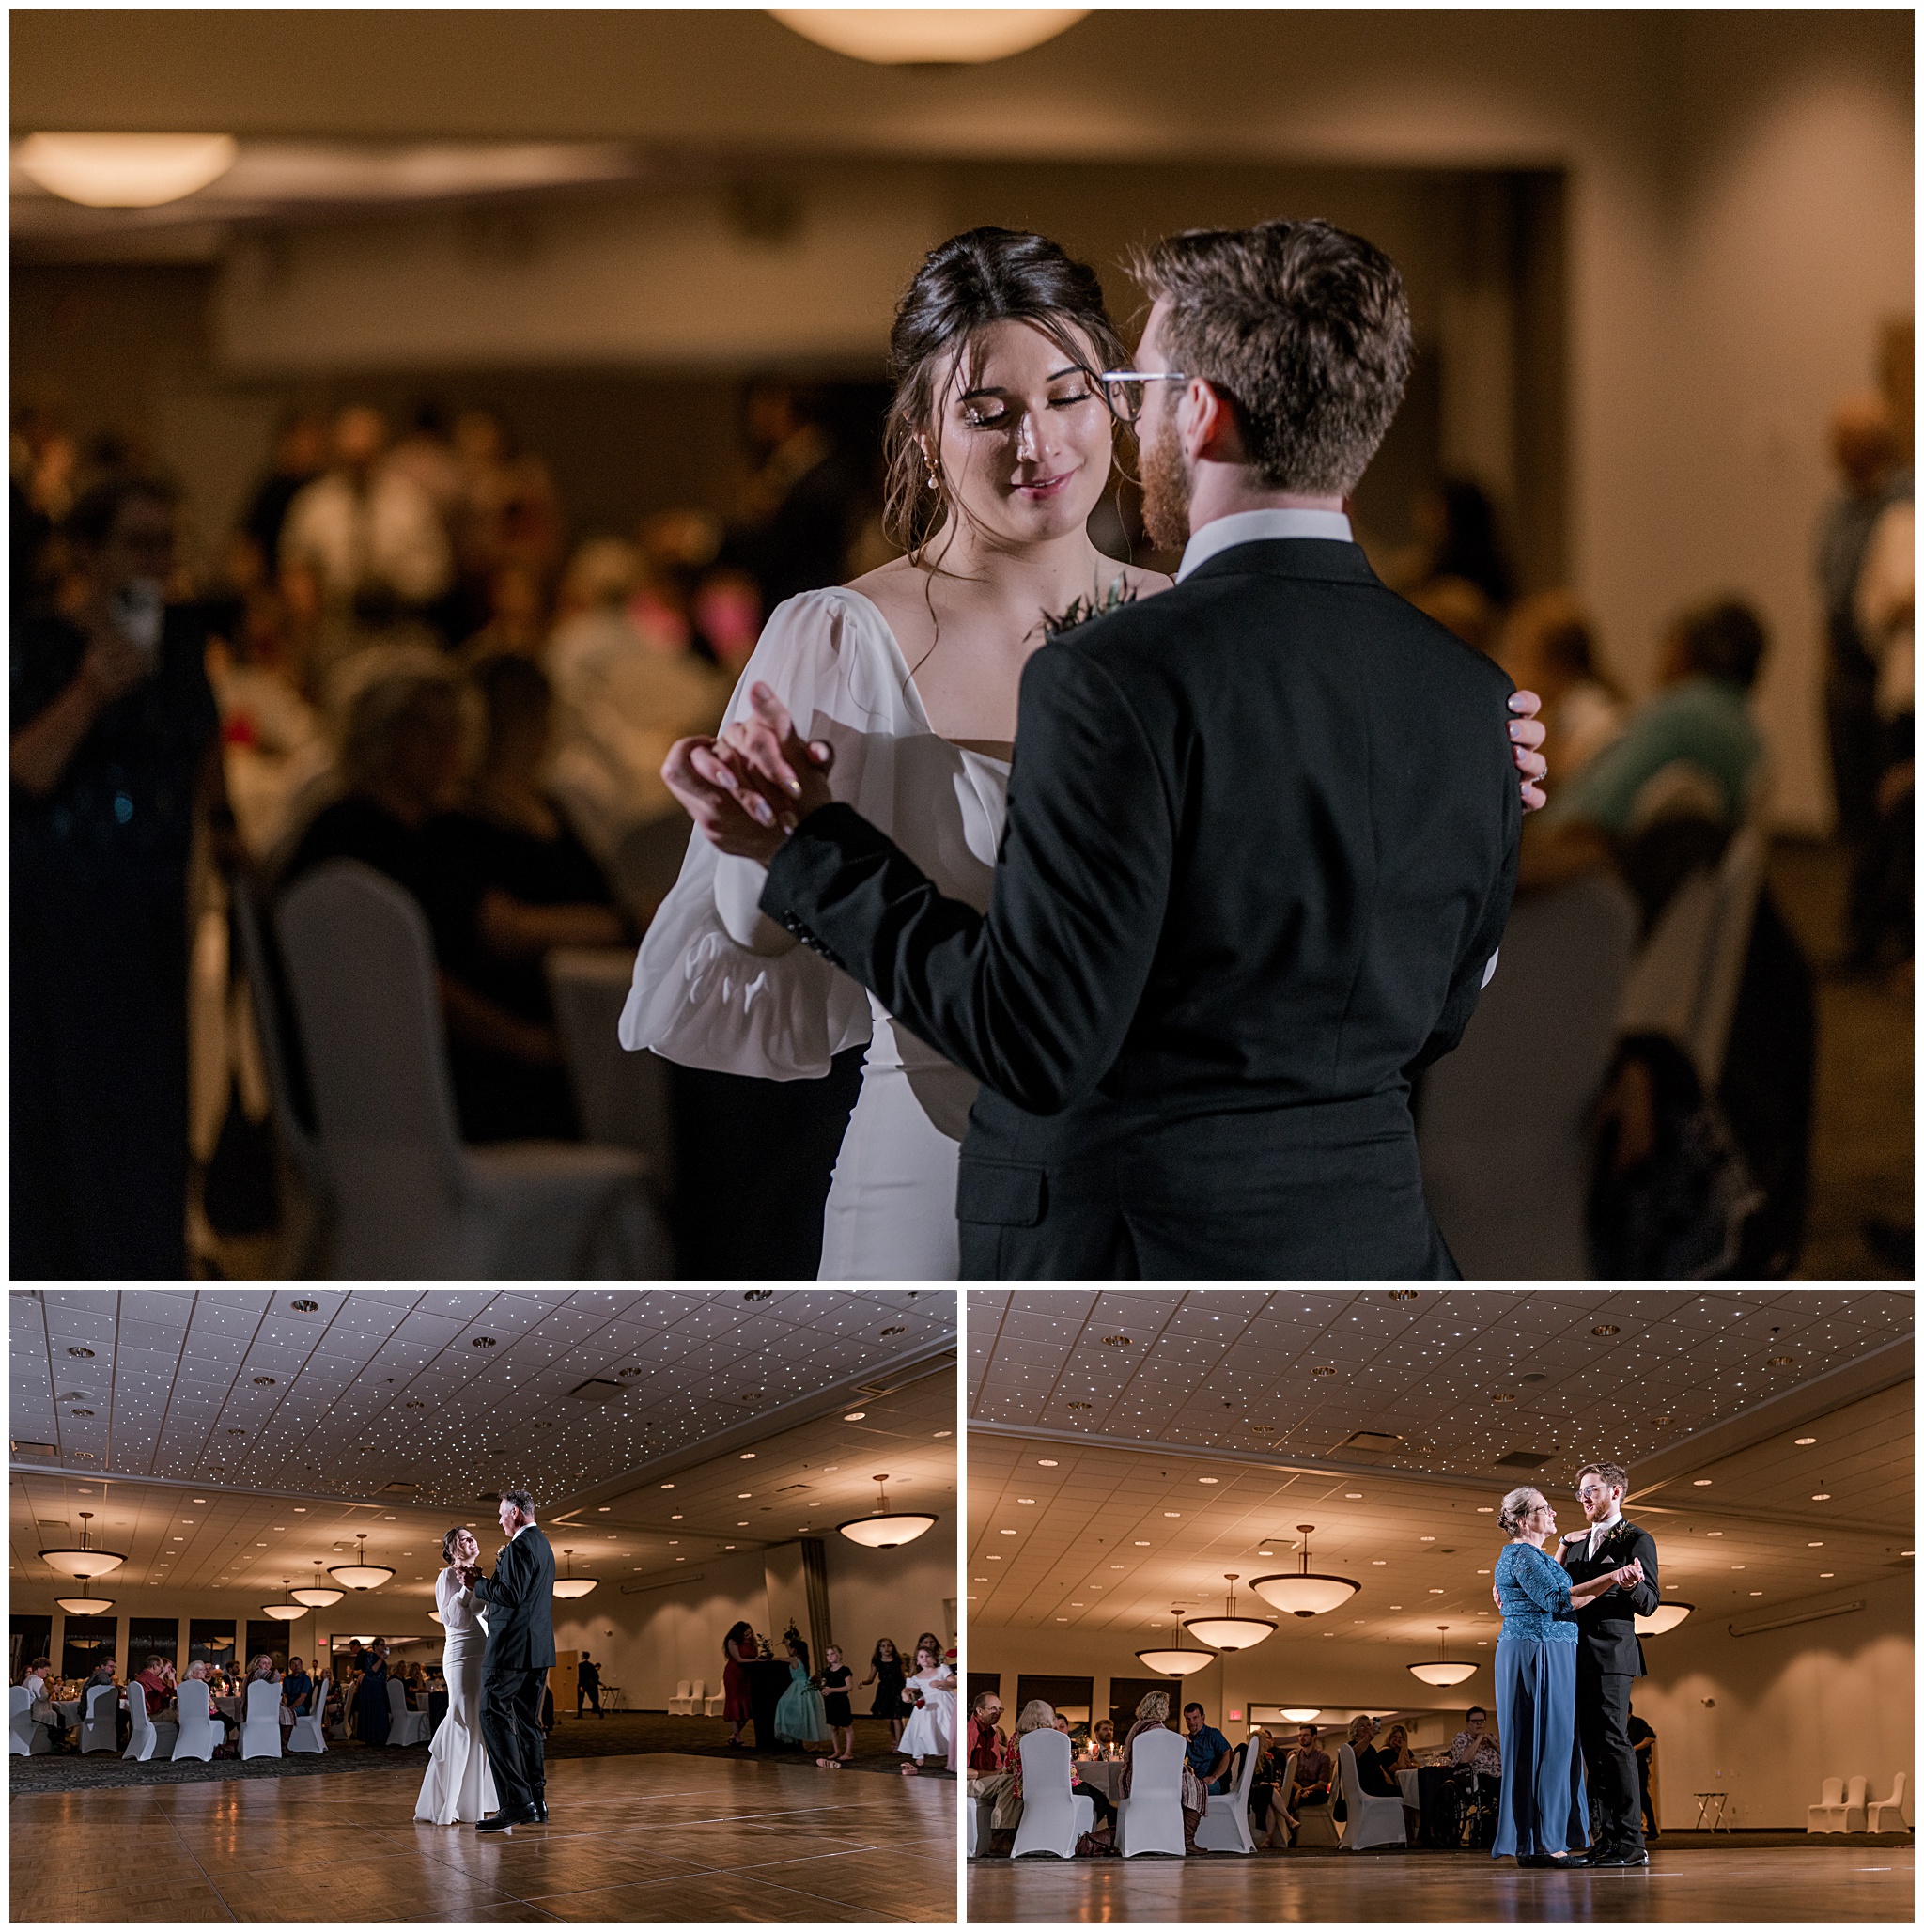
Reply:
x=1085, y=610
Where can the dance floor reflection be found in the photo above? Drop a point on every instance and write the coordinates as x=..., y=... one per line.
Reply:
x=1789, y=1884
x=657, y=1837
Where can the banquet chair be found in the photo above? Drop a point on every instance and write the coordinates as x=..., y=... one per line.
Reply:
x=308, y=1732
x=1503, y=1123
x=624, y=1098
x=98, y=1729
x=260, y=1720
x=1887, y=1814
x=149, y=1738
x=1225, y=1825
x=684, y=1702
x=405, y=1726
x=197, y=1735
x=1827, y=1814
x=1151, y=1817
x=714, y=1706
x=1315, y=1823
x=1054, y=1814
x=27, y=1738
x=1372, y=1821
x=414, y=1201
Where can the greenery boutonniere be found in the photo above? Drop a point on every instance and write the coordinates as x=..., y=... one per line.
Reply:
x=1084, y=610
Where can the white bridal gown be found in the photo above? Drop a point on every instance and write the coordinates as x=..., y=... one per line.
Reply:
x=718, y=985
x=931, y=1728
x=458, y=1789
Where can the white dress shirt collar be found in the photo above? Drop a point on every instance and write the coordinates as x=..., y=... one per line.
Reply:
x=525, y=1527
x=1599, y=1530
x=1262, y=526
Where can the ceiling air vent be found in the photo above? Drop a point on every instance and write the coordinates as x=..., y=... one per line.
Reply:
x=1523, y=1459
x=398, y=1488
x=597, y=1390
x=21, y=1448
x=1370, y=1442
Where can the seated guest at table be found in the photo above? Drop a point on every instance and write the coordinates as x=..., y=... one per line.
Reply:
x=1066, y=1728
x=1153, y=1714
x=261, y=1671
x=1315, y=1769
x=987, y=1763
x=371, y=1700
x=103, y=1673
x=201, y=1673
x=1475, y=1749
x=296, y=1691
x=523, y=885
x=1373, y=1771
x=1102, y=1747
x=155, y=1680
x=1397, y=1754
x=1208, y=1750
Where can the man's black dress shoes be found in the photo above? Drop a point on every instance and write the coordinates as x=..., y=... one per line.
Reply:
x=1622, y=1858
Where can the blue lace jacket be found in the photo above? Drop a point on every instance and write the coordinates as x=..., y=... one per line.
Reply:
x=1535, y=1591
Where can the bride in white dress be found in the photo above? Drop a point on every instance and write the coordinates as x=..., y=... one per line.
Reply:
x=1000, y=446
x=458, y=1789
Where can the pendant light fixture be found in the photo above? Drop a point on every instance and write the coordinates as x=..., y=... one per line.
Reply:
x=926, y=36
x=316, y=1594
x=288, y=1613
x=570, y=1584
x=1230, y=1631
x=1176, y=1661
x=360, y=1574
x=1303, y=1713
x=1308, y=1592
x=85, y=1605
x=1666, y=1616
x=82, y=1562
x=884, y=1528
x=1442, y=1670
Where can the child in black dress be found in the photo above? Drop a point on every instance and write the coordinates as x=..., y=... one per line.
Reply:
x=888, y=1674
x=835, y=1679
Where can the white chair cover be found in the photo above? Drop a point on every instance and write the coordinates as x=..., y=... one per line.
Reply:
x=98, y=1729
x=147, y=1739
x=1503, y=1132
x=198, y=1736
x=1151, y=1817
x=623, y=1097
x=1225, y=1825
x=404, y=1726
x=1053, y=1814
x=307, y=1733
x=1827, y=1814
x=683, y=1703
x=1315, y=1823
x=1372, y=1821
x=26, y=1739
x=415, y=1203
x=1856, y=1806
x=260, y=1721
x=715, y=1704
x=1887, y=1814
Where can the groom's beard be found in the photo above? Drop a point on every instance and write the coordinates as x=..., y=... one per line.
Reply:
x=1165, y=488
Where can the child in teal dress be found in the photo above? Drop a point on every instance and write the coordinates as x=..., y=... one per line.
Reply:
x=800, y=1718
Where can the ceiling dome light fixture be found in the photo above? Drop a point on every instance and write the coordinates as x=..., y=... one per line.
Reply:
x=125, y=170
x=1176, y=1661
x=85, y=1605
x=884, y=1528
x=570, y=1584
x=1666, y=1616
x=316, y=1596
x=904, y=36
x=1230, y=1631
x=85, y=1561
x=360, y=1574
x=1308, y=1593
x=1442, y=1670
x=1302, y=1714
x=289, y=1613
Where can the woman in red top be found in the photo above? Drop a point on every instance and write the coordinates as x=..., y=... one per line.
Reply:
x=741, y=1649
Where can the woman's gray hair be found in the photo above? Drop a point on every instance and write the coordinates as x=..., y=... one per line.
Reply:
x=1517, y=1509
x=1036, y=1716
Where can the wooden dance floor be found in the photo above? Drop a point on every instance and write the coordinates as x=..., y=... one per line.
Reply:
x=653, y=1837
x=1727, y=1883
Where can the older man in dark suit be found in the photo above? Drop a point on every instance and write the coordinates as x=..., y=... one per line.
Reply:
x=520, y=1597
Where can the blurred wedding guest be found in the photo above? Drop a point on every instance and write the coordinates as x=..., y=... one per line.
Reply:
x=517, y=616
x=624, y=693
x=426, y=455
x=1546, y=646
x=1457, y=536
x=525, y=885
x=506, y=511
x=301, y=454
x=115, y=759
x=42, y=458
x=1882, y=893
x=807, y=501
x=1865, y=449
x=1461, y=608
x=370, y=535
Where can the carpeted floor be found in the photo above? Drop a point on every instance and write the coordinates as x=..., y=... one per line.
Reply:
x=620, y=1734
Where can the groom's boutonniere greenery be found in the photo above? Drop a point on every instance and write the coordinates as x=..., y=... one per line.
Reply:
x=1086, y=609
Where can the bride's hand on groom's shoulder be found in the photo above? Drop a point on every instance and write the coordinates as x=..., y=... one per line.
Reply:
x=1527, y=733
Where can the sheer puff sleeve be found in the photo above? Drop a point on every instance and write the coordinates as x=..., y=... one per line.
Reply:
x=717, y=984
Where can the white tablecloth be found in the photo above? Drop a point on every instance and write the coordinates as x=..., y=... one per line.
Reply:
x=1102, y=1775
x=1408, y=1781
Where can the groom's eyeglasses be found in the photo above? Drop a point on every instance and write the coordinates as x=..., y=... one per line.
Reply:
x=1128, y=389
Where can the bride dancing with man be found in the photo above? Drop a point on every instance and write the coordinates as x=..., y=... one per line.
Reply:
x=498, y=1648
x=1150, y=1007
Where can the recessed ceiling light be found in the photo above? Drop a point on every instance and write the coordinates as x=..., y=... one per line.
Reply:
x=855, y=1415
x=1140, y=1544
x=602, y=1510
x=1806, y=1442
x=941, y=1433
x=1426, y=1539
x=1700, y=1482
x=1045, y=1462
x=1030, y=1500
x=83, y=1354
x=263, y=1381
x=1822, y=1574
x=1008, y=1533
x=1821, y=1496
x=1171, y=1512
x=743, y=1495
x=676, y=1517
x=1379, y=1563
x=1605, y=1328
x=1813, y=1546
x=1118, y=1565
x=746, y=1455
x=1353, y=1496
x=1209, y=1479
x=481, y=1342
x=1486, y=1509
x=668, y=1486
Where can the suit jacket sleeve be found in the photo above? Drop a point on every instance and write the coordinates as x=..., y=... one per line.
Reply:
x=1036, y=998
x=508, y=1585
x=1648, y=1594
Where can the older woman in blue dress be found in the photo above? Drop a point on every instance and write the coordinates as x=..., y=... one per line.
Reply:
x=1541, y=1813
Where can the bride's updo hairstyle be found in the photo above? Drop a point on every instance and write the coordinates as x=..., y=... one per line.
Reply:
x=986, y=276
x=1518, y=1507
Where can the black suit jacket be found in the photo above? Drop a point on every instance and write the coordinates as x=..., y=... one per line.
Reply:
x=520, y=1596
x=1606, y=1625
x=1261, y=844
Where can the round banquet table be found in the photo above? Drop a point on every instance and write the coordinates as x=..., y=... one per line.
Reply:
x=69, y=1709
x=1104, y=1775
x=1408, y=1781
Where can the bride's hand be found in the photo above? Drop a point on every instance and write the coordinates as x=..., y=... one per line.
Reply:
x=1526, y=732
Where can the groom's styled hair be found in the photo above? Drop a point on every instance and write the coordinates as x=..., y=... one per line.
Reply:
x=1304, y=327
x=1608, y=1472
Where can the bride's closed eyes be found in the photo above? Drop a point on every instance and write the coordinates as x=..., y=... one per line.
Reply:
x=986, y=413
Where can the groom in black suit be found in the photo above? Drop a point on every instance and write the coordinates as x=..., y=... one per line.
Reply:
x=1261, y=831
x=520, y=1597
x=1609, y=1659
